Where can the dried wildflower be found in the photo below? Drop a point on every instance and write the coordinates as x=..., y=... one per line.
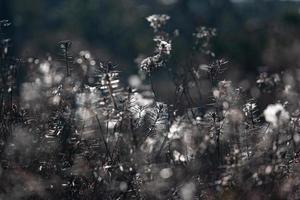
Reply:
x=4, y=23
x=203, y=36
x=276, y=115
x=268, y=82
x=204, y=32
x=146, y=64
x=249, y=107
x=164, y=47
x=152, y=62
x=163, y=50
x=65, y=45
x=157, y=21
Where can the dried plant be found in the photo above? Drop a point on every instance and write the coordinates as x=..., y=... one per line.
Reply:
x=76, y=131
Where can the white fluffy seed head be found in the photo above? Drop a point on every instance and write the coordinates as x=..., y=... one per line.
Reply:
x=276, y=115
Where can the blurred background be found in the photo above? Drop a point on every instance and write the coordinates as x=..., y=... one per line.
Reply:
x=252, y=34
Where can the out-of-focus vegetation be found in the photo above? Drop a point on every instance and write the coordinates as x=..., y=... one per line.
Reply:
x=201, y=104
x=250, y=33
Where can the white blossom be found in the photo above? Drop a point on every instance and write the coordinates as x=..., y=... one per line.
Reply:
x=157, y=21
x=146, y=64
x=164, y=47
x=276, y=115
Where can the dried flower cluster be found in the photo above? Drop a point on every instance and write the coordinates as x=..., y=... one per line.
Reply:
x=157, y=21
x=163, y=44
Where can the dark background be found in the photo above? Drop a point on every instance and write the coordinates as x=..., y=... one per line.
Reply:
x=253, y=35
